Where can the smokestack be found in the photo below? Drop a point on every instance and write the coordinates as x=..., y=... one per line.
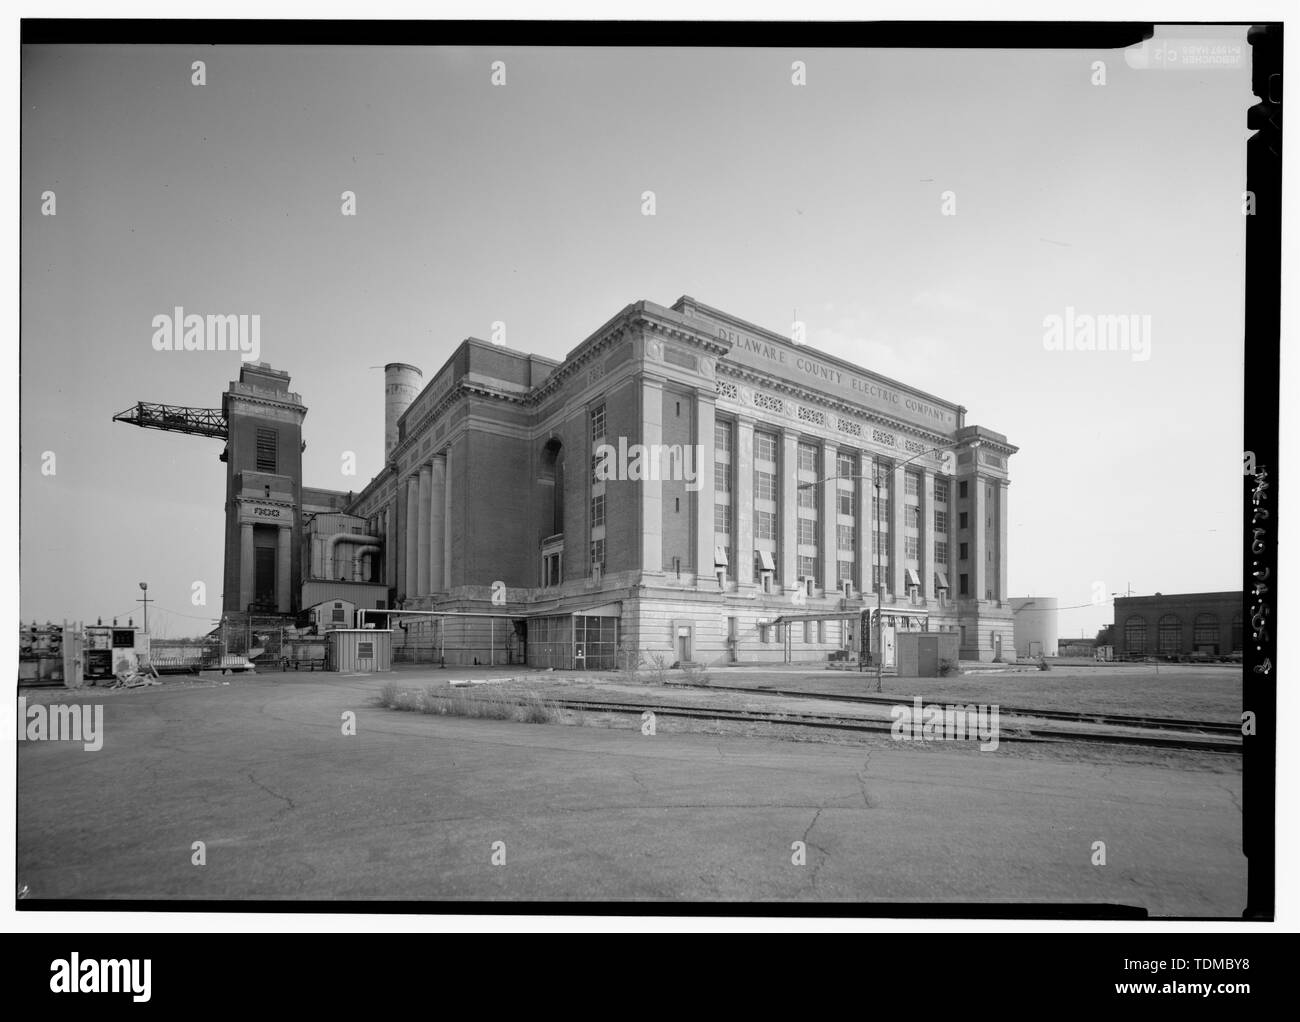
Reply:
x=402, y=383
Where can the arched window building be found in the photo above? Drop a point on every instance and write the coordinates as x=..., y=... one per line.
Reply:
x=1183, y=625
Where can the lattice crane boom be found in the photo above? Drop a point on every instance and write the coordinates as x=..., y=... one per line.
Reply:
x=176, y=419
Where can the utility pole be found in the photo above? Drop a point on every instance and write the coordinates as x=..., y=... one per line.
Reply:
x=144, y=588
x=875, y=570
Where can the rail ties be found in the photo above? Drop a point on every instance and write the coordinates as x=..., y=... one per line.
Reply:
x=1075, y=716
x=832, y=723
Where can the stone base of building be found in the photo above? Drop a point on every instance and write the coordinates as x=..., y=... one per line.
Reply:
x=988, y=631
x=579, y=626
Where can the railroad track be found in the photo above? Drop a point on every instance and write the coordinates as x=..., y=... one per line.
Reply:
x=1209, y=727
x=829, y=722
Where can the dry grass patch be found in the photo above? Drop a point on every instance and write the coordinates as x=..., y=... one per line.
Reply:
x=489, y=703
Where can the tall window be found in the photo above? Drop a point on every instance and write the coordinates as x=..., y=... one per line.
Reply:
x=808, y=503
x=765, y=510
x=879, y=527
x=553, y=471
x=1170, y=632
x=722, y=437
x=1135, y=635
x=941, y=491
x=1205, y=632
x=551, y=570
x=599, y=429
x=722, y=496
x=266, y=449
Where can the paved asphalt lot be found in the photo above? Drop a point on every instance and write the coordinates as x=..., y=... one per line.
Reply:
x=409, y=808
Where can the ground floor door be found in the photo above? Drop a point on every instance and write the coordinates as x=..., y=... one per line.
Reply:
x=927, y=657
x=887, y=644
x=264, y=577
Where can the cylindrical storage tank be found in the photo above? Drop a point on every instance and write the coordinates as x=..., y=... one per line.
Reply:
x=360, y=650
x=1035, y=625
x=402, y=383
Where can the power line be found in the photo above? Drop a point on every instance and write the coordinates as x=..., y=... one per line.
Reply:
x=192, y=617
x=1077, y=606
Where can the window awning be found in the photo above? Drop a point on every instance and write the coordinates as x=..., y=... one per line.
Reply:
x=765, y=559
x=818, y=615
x=913, y=579
x=720, y=557
x=941, y=580
x=604, y=610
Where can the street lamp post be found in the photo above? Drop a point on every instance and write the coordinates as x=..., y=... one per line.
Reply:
x=877, y=580
x=144, y=588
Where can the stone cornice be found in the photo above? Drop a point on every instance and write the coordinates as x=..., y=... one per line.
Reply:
x=289, y=411
x=608, y=335
x=692, y=336
x=1006, y=450
x=813, y=397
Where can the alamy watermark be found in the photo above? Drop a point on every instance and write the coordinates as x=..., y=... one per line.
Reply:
x=952, y=723
x=1085, y=332
x=71, y=975
x=676, y=462
x=181, y=332
x=75, y=722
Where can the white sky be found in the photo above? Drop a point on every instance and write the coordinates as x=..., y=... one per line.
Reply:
x=522, y=204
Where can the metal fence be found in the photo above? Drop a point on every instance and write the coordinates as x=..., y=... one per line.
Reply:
x=260, y=638
x=453, y=639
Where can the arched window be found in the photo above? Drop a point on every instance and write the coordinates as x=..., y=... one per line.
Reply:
x=1205, y=633
x=1170, y=634
x=553, y=471
x=1236, y=633
x=1135, y=635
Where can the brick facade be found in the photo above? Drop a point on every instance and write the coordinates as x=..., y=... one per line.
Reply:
x=1179, y=624
x=502, y=442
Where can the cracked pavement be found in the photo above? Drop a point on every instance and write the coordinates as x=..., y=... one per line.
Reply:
x=409, y=807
